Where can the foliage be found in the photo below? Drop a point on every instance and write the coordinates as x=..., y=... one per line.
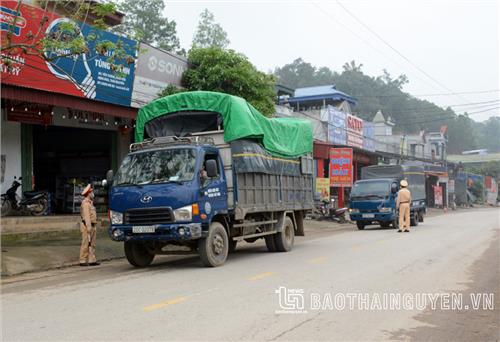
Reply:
x=491, y=168
x=170, y=90
x=145, y=21
x=477, y=190
x=209, y=33
x=385, y=93
x=66, y=41
x=226, y=71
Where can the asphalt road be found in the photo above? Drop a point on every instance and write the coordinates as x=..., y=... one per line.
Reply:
x=177, y=299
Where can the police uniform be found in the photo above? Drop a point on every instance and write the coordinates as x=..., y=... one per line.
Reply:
x=88, y=229
x=403, y=204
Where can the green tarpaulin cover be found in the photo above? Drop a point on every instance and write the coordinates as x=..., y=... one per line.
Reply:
x=287, y=137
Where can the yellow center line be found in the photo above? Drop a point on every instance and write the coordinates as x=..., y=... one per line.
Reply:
x=260, y=276
x=317, y=260
x=164, y=303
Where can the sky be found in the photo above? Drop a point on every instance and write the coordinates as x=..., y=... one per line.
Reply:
x=443, y=47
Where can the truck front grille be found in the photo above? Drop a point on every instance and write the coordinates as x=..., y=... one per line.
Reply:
x=148, y=216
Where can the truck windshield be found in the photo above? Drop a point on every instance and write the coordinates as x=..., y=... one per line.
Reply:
x=159, y=166
x=370, y=189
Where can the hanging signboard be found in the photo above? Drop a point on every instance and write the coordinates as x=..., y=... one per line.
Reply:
x=354, y=131
x=88, y=75
x=438, y=195
x=341, y=167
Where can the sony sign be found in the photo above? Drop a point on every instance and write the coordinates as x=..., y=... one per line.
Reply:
x=155, y=69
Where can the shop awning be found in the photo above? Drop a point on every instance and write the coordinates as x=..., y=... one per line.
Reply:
x=29, y=95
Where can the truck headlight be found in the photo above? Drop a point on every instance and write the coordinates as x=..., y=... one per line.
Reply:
x=385, y=210
x=353, y=211
x=116, y=217
x=184, y=214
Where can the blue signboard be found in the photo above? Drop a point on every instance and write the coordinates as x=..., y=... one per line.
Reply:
x=337, y=131
x=369, y=136
x=91, y=74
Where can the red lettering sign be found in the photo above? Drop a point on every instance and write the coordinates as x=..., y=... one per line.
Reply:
x=341, y=167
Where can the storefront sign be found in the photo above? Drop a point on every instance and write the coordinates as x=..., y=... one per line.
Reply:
x=87, y=75
x=155, y=70
x=30, y=114
x=341, y=167
x=336, y=126
x=354, y=131
x=451, y=186
x=438, y=195
x=323, y=187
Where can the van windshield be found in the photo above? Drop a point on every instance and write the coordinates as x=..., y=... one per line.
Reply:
x=370, y=189
x=158, y=166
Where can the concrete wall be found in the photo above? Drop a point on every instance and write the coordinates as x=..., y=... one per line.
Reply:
x=11, y=148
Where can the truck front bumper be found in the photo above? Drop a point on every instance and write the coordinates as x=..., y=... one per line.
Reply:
x=371, y=217
x=162, y=232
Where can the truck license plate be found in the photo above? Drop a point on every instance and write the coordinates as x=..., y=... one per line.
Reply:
x=143, y=229
x=368, y=215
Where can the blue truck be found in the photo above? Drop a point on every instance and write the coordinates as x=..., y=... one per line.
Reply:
x=208, y=171
x=373, y=198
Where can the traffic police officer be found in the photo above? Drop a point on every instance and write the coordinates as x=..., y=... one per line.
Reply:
x=403, y=204
x=88, y=228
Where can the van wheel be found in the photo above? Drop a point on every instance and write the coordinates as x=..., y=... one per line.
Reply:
x=385, y=224
x=420, y=217
x=271, y=247
x=360, y=225
x=284, y=239
x=395, y=223
x=214, y=248
x=138, y=254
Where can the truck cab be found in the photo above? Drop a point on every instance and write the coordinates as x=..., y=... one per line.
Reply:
x=374, y=201
x=373, y=198
x=166, y=191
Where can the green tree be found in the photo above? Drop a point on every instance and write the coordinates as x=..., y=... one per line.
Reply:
x=145, y=21
x=66, y=39
x=489, y=134
x=209, y=33
x=300, y=74
x=226, y=71
x=461, y=135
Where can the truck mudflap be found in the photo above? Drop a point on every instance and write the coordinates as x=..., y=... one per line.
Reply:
x=160, y=232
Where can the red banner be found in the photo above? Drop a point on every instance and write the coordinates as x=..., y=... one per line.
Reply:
x=341, y=167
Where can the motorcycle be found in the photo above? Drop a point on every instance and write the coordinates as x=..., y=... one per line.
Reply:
x=35, y=203
x=338, y=215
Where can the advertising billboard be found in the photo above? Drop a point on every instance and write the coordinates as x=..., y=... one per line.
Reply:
x=89, y=75
x=155, y=70
x=354, y=131
x=341, y=173
x=323, y=188
x=336, y=126
x=369, y=136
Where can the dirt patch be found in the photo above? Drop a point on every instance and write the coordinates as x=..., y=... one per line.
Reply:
x=465, y=325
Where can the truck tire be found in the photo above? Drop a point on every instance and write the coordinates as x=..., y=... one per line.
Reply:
x=395, y=223
x=138, y=254
x=420, y=217
x=232, y=246
x=284, y=240
x=414, y=220
x=214, y=248
x=360, y=225
x=271, y=246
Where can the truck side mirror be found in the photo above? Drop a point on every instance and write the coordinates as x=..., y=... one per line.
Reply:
x=109, y=178
x=211, y=166
x=394, y=188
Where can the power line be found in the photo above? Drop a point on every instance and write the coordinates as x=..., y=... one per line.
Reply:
x=395, y=50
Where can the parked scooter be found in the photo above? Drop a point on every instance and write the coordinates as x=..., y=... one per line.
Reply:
x=338, y=214
x=35, y=203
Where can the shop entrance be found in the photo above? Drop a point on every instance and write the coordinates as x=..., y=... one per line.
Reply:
x=66, y=159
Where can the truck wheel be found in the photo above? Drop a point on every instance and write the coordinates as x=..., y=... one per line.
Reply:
x=360, y=225
x=214, y=248
x=271, y=246
x=138, y=254
x=385, y=224
x=414, y=220
x=420, y=217
x=395, y=223
x=284, y=240
x=232, y=246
